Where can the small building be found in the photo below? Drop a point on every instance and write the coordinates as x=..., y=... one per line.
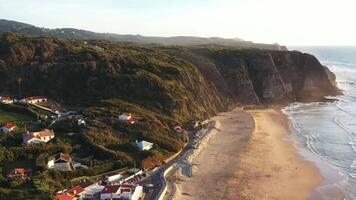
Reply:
x=8, y=128
x=81, y=122
x=124, y=191
x=144, y=145
x=61, y=162
x=6, y=100
x=178, y=129
x=110, y=192
x=131, y=192
x=92, y=190
x=125, y=116
x=33, y=100
x=22, y=173
x=38, y=137
x=111, y=177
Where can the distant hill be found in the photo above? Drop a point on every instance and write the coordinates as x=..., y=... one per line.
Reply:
x=72, y=33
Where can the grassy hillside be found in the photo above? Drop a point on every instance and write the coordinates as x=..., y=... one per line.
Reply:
x=162, y=86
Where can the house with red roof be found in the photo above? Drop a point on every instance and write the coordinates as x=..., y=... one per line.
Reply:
x=64, y=197
x=6, y=100
x=61, y=162
x=38, y=137
x=33, y=100
x=110, y=192
x=76, y=191
x=8, y=128
x=22, y=173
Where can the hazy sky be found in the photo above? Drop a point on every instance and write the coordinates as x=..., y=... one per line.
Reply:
x=290, y=22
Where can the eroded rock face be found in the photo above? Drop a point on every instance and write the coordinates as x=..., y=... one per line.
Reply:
x=257, y=76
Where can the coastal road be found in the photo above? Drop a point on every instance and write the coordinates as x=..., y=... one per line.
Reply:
x=157, y=177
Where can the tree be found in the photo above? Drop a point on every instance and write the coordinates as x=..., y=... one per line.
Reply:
x=15, y=182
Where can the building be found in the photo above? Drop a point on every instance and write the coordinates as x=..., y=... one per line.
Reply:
x=125, y=191
x=61, y=162
x=38, y=137
x=131, y=192
x=33, y=100
x=110, y=192
x=64, y=197
x=125, y=116
x=81, y=122
x=6, y=100
x=77, y=191
x=144, y=145
x=111, y=177
x=8, y=128
x=178, y=129
x=92, y=190
x=22, y=173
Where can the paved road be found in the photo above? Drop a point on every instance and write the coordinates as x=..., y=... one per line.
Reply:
x=157, y=177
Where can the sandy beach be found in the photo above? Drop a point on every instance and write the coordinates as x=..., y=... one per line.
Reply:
x=249, y=159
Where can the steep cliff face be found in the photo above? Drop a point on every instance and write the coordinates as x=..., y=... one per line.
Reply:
x=175, y=80
x=255, y=76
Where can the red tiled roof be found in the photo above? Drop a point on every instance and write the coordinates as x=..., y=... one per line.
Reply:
x=43, y=133
x=9, y=126
x=19, y=171
x=110, y=189
x=46, y=132
x=5, y=98
x=64, y=197
x=75, y=190
x=34, y=98
x=63, y=156
x=128, y=186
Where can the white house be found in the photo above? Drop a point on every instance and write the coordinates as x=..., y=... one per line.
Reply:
x=38, y=137
x=81, y=122
x=92, y=190
x=125, y=116
x=144, y=145
x=8, y=128
x=33, y=100
x=112, y=177
x=6, y=100
x=125, y=191
x=61, y=162
x=131, y=192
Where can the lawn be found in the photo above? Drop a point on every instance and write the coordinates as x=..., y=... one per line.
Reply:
x=6, y=117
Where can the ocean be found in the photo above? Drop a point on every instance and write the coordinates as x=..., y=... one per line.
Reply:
x=326, y=131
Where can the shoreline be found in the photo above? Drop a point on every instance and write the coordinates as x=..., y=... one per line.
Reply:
x=249, y=159
x=327, y=190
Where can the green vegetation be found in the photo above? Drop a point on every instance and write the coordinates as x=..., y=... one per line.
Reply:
x=162, y=86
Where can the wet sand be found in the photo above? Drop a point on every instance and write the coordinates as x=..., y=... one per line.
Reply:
x=248, y=159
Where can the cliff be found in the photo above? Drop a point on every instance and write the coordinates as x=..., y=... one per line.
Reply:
x=163, y=85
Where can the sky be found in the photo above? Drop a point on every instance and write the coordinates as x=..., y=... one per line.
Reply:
x=287, y=22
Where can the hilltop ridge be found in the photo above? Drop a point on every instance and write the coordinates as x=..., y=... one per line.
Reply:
x=72, y=33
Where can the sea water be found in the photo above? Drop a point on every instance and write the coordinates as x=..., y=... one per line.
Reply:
x=328, y=130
